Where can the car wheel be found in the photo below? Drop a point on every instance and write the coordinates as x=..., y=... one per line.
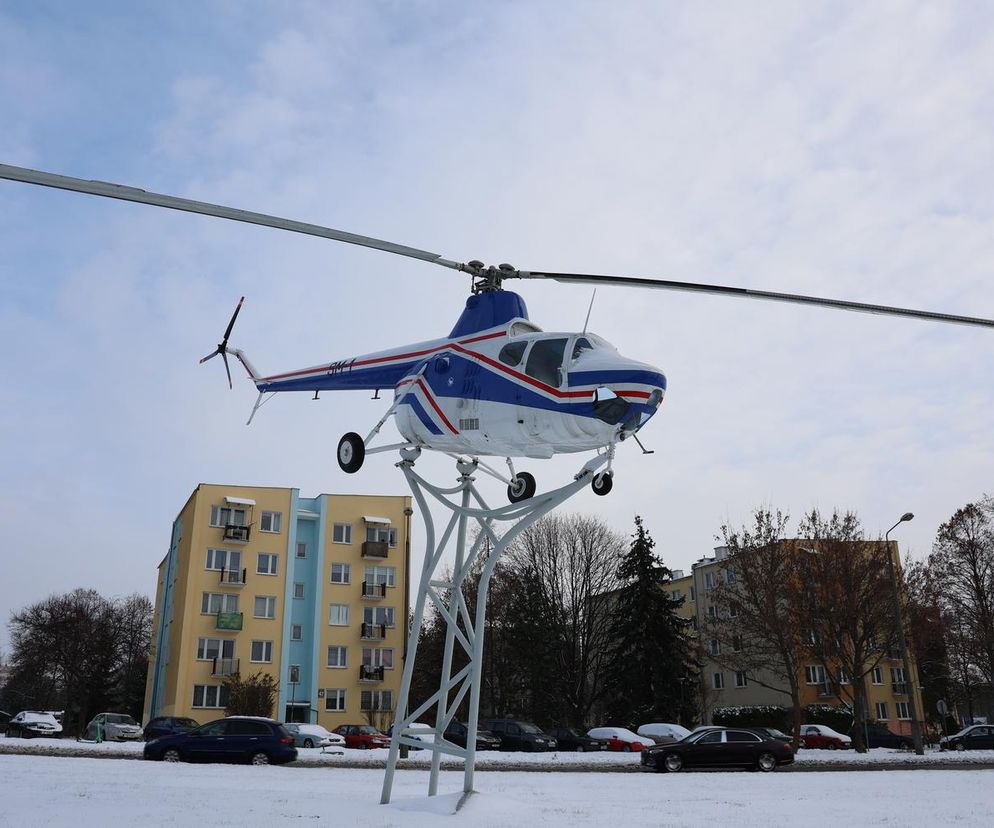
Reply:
x=260, y=758
x=832, y=746
x=579, y=748
x=960, y=746
x=364, y=745
x=627, y=748
x=171, y=755
x=905, y=746
x=673, y=762
x=308, y=743
x=766, y=762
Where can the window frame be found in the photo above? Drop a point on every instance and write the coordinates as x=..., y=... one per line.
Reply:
x=220, y=695
x=343, y=655
x=345, y=569
x=296, y=632
x=273, y=563
x=717, y=681
x=210, y=559
x=346, y=533
x=271, y=515
x=267, y=649
x=270, y=602
x=337, y=694
x=343, y=612
x=225, y=598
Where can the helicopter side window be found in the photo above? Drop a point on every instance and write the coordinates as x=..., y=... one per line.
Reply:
x=511, y=353
x=545, y=361
x=582, y=344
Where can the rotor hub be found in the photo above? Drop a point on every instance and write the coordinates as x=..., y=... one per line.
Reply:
x=488, y=278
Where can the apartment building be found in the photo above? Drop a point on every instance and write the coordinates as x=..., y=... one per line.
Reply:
x=312, y=591
x=887, y=688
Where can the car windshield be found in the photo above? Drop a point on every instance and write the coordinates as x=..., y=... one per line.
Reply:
x=569, y=731
x=120, y=718
x=529, y=728
x=778, y=734
x=369, y=729
x=187, y=723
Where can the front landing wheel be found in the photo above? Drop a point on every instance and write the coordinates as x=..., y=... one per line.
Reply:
x=602, y=483
x=351, y=453
x=521, y=488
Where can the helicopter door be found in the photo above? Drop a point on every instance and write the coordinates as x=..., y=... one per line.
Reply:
x=544, y=363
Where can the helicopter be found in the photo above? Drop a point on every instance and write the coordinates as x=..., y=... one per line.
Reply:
x=497, y=385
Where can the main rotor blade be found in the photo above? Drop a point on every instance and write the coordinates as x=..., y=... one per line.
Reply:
x=124, y=193
x=745, y=293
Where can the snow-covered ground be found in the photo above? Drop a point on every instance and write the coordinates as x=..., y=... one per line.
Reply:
x=55, y=791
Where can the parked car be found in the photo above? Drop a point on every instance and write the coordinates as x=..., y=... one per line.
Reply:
x=168, y=725
x=313, y=735
x=113, y=727
x=234, y=739
x=619, y=738
x=663, y=733
x=878, y=735
x=515, y=734
x=773, y=733
x=569, y=738
x=975, y=737
x=822, y=736
x=456, y=733
x=719, y=747
x=32, y=723
x=362, y=737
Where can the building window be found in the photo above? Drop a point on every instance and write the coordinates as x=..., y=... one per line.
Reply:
x=903, y=710
x=265, y=606
x=341, y=533
x=712, y=611
x=338, y=657
x=736, y=643
x=729, y=576
x=228, y=559
x=882, y=711
x=381, y=534
x=262, y=651
x=714, y=648
x=226, y=516
x=376, y=700
x=740, y=678
x=843, y=675
x=334, y=699
x=271, y=522
x=296, y=632
x=877, y=676
x=215, y=602
x=693, y=593
x=676, y=594
x=339, y=615
x=210, y=695
x=341, y=573
x=301, y=550
x=718, y=681
x=814, y=674
x=897, y=675
x=377, y=657
x=298, y=590
x=377, y=575
x=267, y=563
x=709, y=580
x=378, y=615
x=733, y=610
x=210, y=648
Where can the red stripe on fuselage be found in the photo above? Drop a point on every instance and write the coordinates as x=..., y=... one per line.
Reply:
x=431, y=399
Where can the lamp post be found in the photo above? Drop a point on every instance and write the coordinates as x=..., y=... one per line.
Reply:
x=916, y=733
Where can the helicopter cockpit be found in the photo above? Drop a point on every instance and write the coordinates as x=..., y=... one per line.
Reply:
x=543, y=355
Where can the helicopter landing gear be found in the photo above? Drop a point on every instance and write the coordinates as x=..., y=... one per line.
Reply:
x=602, y=483
x=351, y=453
x=522, y=487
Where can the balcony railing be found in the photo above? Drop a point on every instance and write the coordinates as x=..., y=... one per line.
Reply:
x=899, y=688
x=233, y=577
x=236, y=532
x=368, y=673
x=373, y=631
x=375, y=549
x=224, y=667
x=228, y=621
x=373, y=590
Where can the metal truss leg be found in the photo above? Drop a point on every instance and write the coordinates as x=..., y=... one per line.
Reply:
x=467, y=510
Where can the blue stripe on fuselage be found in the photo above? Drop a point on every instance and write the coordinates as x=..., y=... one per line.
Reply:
x=415, y=403
x=580, y=378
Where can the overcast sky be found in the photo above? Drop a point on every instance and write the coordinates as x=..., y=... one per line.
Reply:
x=842, y=150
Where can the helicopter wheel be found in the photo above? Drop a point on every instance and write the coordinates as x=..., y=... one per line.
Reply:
x=602, y=483
x=351, y=452
x=522, y=487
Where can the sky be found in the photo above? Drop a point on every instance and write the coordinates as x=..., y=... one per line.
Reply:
x=836, y=149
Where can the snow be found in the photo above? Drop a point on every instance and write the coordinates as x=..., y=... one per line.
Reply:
x=59, y=791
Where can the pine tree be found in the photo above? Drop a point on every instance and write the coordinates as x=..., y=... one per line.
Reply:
x=650, y=655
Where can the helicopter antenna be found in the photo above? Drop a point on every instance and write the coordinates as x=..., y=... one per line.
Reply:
x=585, y=321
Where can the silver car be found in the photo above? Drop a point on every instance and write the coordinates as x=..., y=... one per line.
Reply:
x=114, y=727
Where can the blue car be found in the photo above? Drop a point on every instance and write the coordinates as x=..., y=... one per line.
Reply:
x=249, y=739
x=168, y=725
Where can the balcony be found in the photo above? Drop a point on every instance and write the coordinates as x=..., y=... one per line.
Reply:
x=375, y=549
x=236, y=533
x=368, y=673
x=373, y=590
x=233, y=577
x=899, y=688
x=228, y=621
x=376, y=632
x=224, y=667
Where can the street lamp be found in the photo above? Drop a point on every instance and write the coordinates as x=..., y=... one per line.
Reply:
x=916, y=733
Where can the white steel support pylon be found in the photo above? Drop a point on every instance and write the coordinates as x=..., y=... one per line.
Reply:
x=467, y=508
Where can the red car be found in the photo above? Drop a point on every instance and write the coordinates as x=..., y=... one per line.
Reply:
x=619, y=738
x=822, y=736
x=363, y=737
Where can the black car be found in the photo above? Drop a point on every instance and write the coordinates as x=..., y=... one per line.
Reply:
x=877, y=736
x=720, y=747
x=569, y=738
x=515, y=734
x=485, y=740
x=235, y=739
x=975, y=737
x=773, y=733
x=168, y=725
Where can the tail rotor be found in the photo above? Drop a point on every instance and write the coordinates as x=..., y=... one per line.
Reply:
x=222, y=347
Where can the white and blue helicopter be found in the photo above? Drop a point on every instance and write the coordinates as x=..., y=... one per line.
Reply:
x=497, y=385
